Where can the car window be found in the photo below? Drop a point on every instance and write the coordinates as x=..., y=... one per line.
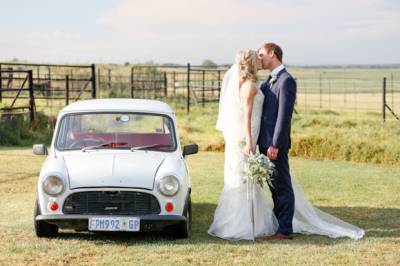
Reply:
x=124, y=130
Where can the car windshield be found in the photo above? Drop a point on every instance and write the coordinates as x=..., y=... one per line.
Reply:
x=132, y=131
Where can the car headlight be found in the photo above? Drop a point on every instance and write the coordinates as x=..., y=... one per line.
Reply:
x=168, y=185
x=53, y=185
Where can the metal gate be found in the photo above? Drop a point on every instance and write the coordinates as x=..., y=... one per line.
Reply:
x=203, y=86
x=148, y=82
x=17, y=85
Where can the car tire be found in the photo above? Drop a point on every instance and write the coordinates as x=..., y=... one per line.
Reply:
x=43, y=229
x=183, y=230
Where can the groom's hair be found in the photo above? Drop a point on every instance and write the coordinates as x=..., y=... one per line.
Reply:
x=270, y=46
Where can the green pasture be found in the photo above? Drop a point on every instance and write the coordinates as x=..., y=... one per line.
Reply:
x=363, y=194
x=334, y=134
x=317, y=134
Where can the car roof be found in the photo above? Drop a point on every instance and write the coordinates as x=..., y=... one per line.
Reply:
x=118, y=105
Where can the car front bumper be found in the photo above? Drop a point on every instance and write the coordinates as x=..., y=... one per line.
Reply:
x=80, y=222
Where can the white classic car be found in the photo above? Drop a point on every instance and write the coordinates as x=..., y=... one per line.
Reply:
x=114, y=165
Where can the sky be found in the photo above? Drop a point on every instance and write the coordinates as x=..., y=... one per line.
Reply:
x=310, y=32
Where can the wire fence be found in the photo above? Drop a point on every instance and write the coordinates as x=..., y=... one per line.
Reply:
x=355, y=95
x=352, y=90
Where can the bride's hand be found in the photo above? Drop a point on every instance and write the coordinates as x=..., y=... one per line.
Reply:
x=248, y=149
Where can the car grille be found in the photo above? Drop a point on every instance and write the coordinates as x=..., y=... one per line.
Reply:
x=111, y=202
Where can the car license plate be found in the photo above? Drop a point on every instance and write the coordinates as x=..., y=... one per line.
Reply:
x=114, y=224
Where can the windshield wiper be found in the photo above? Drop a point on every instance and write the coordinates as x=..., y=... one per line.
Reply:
x=107, y=144
x=149, y=147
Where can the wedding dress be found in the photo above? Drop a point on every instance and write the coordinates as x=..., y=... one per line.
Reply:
x=246, y=212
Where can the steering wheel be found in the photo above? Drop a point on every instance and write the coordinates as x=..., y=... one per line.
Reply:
x=84, y=140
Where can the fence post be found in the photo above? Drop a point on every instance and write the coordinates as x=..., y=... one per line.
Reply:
x=165, y=85
x=1, y=85
x=49, y=76
x=31, y=96
x=384, y=100
x=93, y=67
x=71, y=81
x=38, y=73
x=99, y=81
x=188, y=89
x=173, y=82
x=203, y=89
x=219, y=84
x=109, y=79
x=132, y=83
x=66, y=90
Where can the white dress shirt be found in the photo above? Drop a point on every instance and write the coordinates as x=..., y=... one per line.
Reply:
x=277, y=70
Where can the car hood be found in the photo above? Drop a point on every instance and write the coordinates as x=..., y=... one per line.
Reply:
x=96, y=169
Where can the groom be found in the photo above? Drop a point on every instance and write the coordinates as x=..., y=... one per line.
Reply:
x=274, y=139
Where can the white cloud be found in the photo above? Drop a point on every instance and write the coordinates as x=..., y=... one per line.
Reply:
x=309, y=31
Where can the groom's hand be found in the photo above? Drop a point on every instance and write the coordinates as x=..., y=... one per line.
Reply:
x=272, y=153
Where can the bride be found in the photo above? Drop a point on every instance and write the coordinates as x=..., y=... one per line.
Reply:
x=244, y=215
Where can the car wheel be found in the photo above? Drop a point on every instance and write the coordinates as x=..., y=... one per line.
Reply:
x=43, y=229
x=184, y=229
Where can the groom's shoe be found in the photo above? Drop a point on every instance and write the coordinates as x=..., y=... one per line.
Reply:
x=279, y=236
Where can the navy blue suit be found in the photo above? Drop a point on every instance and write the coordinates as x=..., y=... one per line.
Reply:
x=277, y=113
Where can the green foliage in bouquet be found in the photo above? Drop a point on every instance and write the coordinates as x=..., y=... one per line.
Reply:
x=258, y=168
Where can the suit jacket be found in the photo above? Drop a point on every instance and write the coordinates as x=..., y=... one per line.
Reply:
x=277, y=113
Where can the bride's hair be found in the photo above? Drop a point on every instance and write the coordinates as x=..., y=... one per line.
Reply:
x=247, y=63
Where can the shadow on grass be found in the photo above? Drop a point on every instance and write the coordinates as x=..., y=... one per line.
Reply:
x=377, y=222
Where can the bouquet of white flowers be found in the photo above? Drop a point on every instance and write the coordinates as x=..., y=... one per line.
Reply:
x=258, y=168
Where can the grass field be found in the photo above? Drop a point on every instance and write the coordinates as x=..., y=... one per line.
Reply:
x=317, y=133
x=363, y=194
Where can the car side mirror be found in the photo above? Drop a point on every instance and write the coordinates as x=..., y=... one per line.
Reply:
x=190, y=149
x=40, y=149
